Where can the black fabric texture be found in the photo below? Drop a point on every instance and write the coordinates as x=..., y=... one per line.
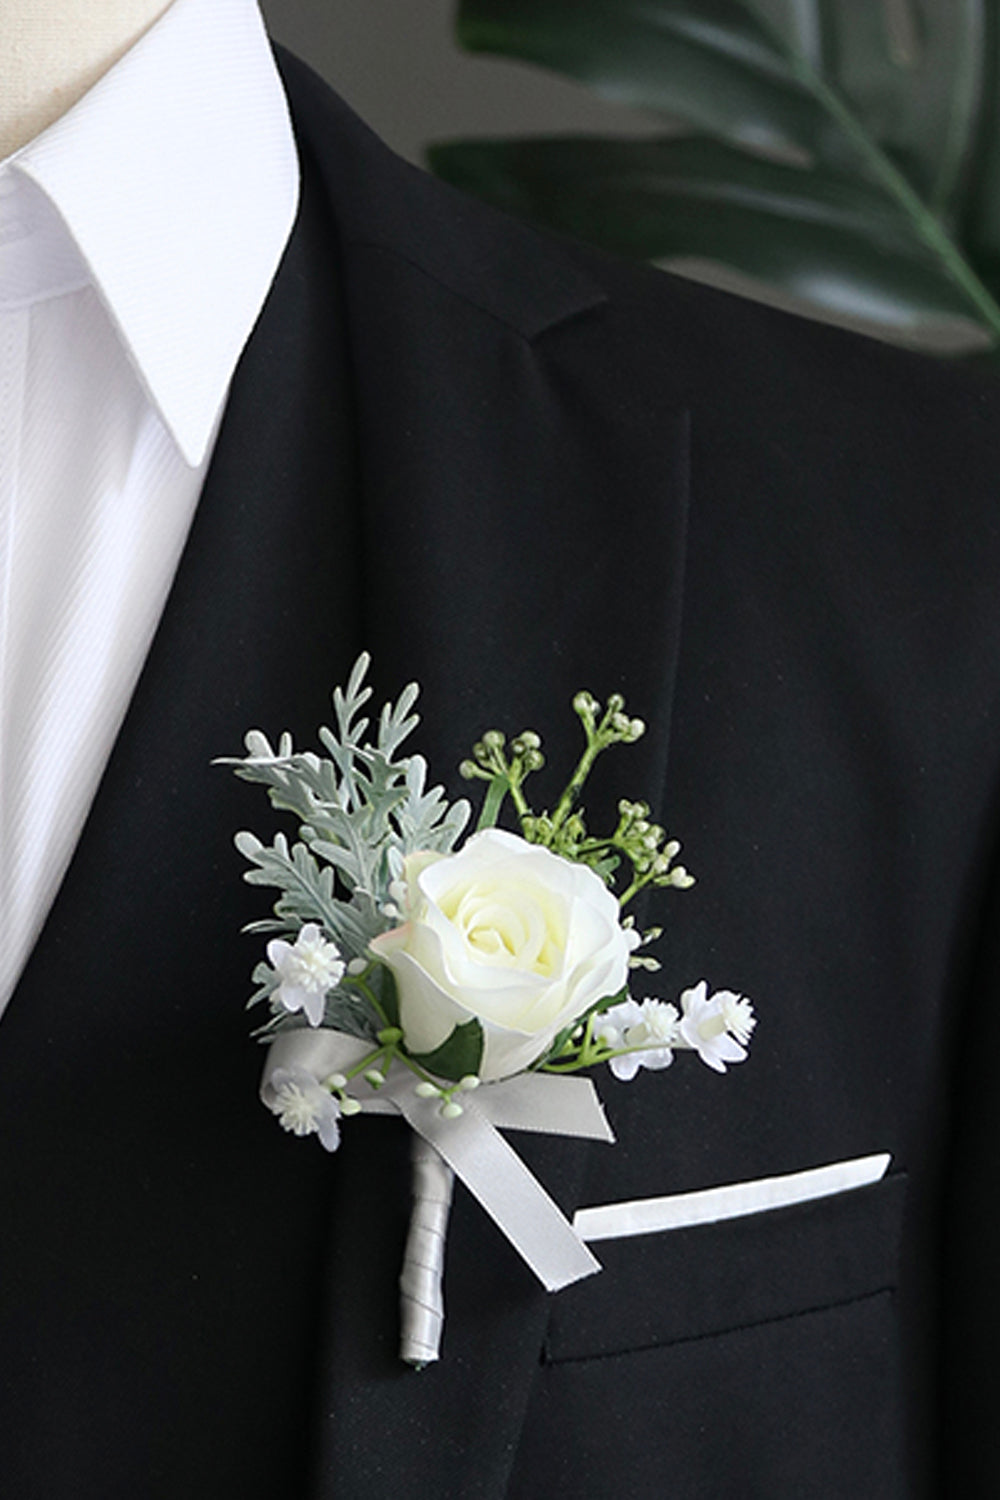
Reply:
x=512, y=467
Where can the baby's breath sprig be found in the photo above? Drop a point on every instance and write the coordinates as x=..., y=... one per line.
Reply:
x=612, y=727
x=652, y=859
x=504, y=771
x=643, y=843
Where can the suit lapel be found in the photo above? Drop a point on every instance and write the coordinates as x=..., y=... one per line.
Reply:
x=524, y=509
x=523, y=537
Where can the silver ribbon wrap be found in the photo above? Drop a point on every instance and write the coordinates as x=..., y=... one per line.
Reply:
x=472, y=1147
x=421, y=1291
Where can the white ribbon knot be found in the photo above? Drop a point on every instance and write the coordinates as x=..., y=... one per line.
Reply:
x=472, y=1144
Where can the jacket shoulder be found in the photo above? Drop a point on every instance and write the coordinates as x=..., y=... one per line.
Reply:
x=666, y=339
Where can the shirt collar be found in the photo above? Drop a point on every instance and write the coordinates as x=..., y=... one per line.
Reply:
x=177, y=179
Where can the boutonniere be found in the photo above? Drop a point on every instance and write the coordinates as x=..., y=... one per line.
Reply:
x=461, y=982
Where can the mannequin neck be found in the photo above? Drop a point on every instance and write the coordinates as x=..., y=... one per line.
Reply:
x=53, y=51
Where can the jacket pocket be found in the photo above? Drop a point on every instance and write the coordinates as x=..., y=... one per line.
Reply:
x=662, y=1288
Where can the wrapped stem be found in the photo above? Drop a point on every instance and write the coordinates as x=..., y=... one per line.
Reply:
x=420, y=1282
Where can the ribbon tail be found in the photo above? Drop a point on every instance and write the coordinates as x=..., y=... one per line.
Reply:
x=514, y=1198
x=473, y=1147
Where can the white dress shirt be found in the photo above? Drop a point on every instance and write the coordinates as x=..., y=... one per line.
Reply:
x=139, y=236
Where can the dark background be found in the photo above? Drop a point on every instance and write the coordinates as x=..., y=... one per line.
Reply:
x=395, y=62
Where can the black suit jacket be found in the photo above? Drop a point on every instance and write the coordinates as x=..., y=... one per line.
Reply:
x=511, y=468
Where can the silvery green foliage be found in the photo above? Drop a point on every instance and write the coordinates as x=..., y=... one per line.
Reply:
x=361, y=810
x=307, y=895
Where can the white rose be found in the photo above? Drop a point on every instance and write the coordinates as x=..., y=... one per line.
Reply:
x=507, y=933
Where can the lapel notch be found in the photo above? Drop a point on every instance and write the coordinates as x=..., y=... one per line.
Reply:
x=381, y=201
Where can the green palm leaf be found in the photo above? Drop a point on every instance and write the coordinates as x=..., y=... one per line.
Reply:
x=846, y=152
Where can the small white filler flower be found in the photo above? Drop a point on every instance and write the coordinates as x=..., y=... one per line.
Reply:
x=308, y=968
x=304, y=1107
x=650, y=1024
x=718, y=1026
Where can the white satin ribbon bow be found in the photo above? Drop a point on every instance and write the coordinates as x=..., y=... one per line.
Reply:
x=472, y=1145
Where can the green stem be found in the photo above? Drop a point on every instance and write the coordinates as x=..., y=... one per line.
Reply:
x=580, y=1054
x=389, y=1052
x=369, y=993
x=565, y=804
x=588, y=1036
x=373, y=1059
x=638, y=884
x=597, y=846
x=384, y=1056
x=599, y=1057
x=495, y=793
x=415, y=1067
x=520, y=801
